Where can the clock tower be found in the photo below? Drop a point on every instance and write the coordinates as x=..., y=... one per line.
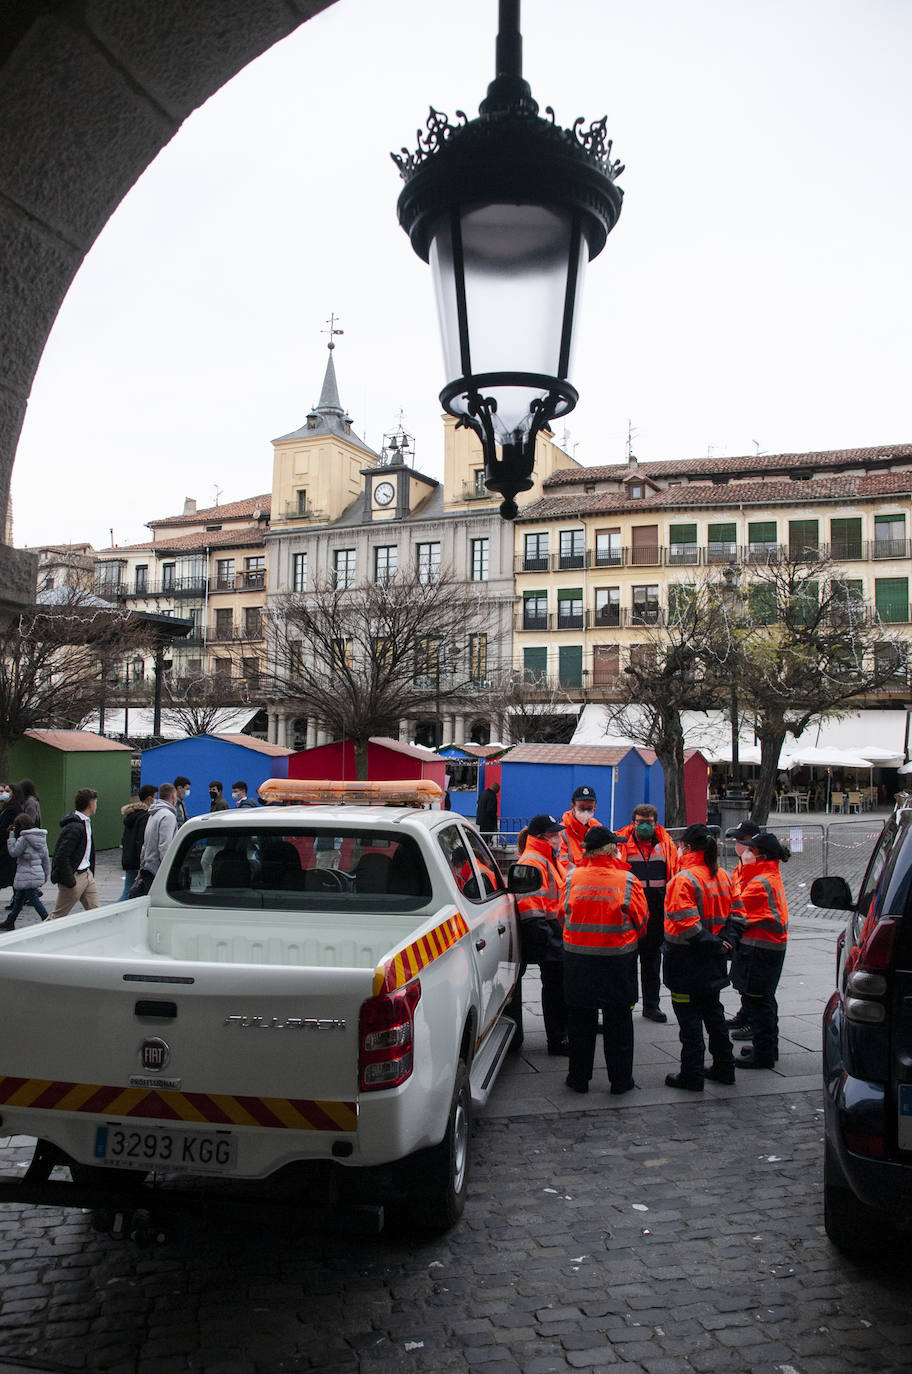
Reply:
x=393, y=487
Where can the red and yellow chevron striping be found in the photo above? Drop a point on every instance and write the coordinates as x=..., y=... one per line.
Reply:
x=282, y=1113
x=409, y=962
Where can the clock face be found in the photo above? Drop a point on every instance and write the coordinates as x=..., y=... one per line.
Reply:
x=384, y=493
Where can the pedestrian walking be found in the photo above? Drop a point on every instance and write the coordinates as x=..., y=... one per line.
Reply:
x=486, y=811
x=241, y=799
x=653, y=857
x=577, y=820
x=28, y=846
x=541, y=918
x=698, y=934
x=181, y=791
x=30, y=801
x=739, y=1024
x=11, y=800
x=135, y=815
x=161, y=827
x=606, y=914
x=73, y=864
x=757, y=965
x=216, y=801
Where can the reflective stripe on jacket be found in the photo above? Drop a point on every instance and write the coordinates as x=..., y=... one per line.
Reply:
x=696, y=900
x=606, y=907
x=764, y=905
x=548, y=901
x=571, y=850
x=661, y=841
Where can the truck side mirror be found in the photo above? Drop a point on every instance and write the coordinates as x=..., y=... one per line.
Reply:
x=523, y=878
x=832, y=892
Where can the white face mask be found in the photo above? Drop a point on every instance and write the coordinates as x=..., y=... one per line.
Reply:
x=5, y=796
x=749, y=856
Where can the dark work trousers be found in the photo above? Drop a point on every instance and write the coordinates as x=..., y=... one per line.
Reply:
x=650, y=952
x=764, y=969
x=694, y=1010
x=617, y=1038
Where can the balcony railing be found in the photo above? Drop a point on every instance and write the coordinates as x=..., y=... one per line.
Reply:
x=224, y=634
x=719, y=553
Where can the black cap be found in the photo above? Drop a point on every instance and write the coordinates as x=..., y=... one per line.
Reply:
x=694, y=833
x=597, y=836
x=743, y=830
x=543, y=824
x=766, y=844
x=583, y=794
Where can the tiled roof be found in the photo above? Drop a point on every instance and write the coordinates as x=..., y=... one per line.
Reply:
x=837, y=488
x=237, y=537
x=259, y=746
x=233, y=510
x=119, y=549
x=77, y=741
x=698, y=467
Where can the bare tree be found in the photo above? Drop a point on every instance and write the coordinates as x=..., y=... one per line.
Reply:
x=359, y=659
x=801, y=645
x=536, y=708
x=54, y=660
x=204, y=703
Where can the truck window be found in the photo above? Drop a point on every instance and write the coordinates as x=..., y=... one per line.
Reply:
x=300, y=868
x=459, y=846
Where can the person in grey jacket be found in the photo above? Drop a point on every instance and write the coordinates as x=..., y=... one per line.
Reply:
x=28, y=846
x=161, y=827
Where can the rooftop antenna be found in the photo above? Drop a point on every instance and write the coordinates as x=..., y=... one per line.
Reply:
x=218, y=492
x=332, y=331
x=631, y=435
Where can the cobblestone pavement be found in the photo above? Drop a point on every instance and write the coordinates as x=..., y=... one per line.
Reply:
x=638, y=1235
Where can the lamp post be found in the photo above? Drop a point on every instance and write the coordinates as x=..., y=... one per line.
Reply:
x=508, y=208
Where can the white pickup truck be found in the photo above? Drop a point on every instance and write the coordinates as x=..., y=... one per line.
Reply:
x=302, y=984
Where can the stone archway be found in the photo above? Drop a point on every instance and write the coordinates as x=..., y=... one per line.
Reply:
x=90, y=92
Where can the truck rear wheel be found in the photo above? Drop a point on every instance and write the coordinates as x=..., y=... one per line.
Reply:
x=442, y=1172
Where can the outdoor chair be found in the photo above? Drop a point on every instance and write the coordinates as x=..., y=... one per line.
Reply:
x=855, y=802
x=801, y=801
x=837, y=801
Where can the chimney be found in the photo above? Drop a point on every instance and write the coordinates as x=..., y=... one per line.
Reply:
x=189, y=506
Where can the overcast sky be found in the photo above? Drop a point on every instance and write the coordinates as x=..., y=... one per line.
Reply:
x=754, y=297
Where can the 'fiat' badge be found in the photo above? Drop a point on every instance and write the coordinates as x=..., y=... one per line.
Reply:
x=155, y=1054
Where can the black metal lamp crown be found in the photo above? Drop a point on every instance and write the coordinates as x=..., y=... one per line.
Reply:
x=508, y=208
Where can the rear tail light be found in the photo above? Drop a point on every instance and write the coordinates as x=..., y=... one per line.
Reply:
x=866, y=973
x=876, y=952
x=863, y=1143
x=386, y=1036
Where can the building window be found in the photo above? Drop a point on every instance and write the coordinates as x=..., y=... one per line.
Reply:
x=536, y=555
x=478, y=483
x=608, y=548
x=480, y=560
x=607, y=606
x=478, y=657
x=137, y=671
x=721, y=543
x=428, y=562
x=142, y=578
x=301, y=498
x=891, y=597
x=296, y=658
x=570, y=608
x=682, y=544
x=428, y=660
x=762, y=540
x=847, y=601
x=572, y=548
x=606, y=664
x=636, y=491
x=535, y=667
x=644, y=550
x=891, y=659
x=252, y=672
x=763, y=606
x=386, y=562
x=535, y=611
x=845, y=537
x=255, y=571
x=344, y=567
x=253, y=622
x=889, y=536
x=803, y=539
x=168, y=577
x=646, y=605
x=224, y=623
x=570, y=665
x=341, y=655
x=222, y=669
x=299, y=572
x=681, y=599
x=224, y=574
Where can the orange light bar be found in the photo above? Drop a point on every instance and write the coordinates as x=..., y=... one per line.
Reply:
x=324, y=792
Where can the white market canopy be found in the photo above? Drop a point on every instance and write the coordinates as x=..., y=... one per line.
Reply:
x=825, y=757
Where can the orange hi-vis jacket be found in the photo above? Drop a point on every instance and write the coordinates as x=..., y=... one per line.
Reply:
x=548, y=901
x=696, y=901
x=606, y=907
x=661, y=841
x=571, y=850
x=764, y=906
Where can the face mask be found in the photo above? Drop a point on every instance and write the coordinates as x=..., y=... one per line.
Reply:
x=5, y=796
x=213, y=794
x=749, y=856
x=645, y=830
x=583, y=813
x=235, y=795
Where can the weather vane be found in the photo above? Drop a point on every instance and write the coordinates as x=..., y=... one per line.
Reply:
x=331, y=331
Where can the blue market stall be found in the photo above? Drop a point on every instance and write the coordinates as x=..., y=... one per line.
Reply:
x=543, y=777
x=225, y=758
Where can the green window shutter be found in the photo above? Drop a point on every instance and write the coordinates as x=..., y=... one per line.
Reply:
x=802, y=537
x=535, y=665
x=570, y=594
x=570, y=665
x=762, y=602
x=682, y=534
x=891, y=597
x=722, y=534
x=845, y=537
x=806, y=603
x=762, y=532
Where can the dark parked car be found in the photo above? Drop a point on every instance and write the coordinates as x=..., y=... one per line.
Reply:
x=867, y=1049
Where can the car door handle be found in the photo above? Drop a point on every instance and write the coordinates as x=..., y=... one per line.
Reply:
x=501, y=930
x=480, y=944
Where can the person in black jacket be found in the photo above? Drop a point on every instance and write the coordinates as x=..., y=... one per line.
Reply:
x=135, y=814
x=486, y=812
x=73, y=864
x=11, y=800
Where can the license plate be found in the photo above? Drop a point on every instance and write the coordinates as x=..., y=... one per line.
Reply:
x=905, y=1116
x=150, y=1147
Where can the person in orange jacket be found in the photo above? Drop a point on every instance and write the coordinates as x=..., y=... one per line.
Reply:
x=653, y=857
x=606, y=913
x=698, y=935
x=579, y=819
x=541, y=921
x=739, y=1024
x=757, y=965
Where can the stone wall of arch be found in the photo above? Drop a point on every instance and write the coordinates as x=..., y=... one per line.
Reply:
x=90, y=92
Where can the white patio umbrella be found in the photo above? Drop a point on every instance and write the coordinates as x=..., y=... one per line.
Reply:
x=823, y=756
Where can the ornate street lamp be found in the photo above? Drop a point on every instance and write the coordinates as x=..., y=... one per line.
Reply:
x=508, y=208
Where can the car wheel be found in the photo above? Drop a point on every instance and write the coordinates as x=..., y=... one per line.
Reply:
x=854, y=1228
x=442, y=1172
